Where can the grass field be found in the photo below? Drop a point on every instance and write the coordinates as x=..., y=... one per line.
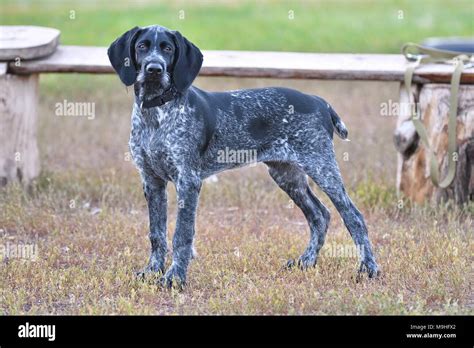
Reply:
x=317, y=26
x=86, y=214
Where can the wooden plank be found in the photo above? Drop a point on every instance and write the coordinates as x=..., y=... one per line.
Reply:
x=385, y=67
x=27, y=42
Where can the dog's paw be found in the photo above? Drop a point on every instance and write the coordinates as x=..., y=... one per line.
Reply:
x=370, y=267
x=152, y=269
x=175, y=277
x=304, y=262
x=291, y=263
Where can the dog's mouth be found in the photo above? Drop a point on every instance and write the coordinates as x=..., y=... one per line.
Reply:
x=151, y=89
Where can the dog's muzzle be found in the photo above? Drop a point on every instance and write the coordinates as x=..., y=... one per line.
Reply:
x=154, y=70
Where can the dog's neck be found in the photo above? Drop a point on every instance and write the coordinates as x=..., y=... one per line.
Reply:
x=168, y=95
x=155, y=116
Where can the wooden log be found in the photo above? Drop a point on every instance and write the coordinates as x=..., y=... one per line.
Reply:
x=413, y=178
x=19, y=158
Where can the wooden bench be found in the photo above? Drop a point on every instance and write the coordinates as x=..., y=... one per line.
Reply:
x=19, y=93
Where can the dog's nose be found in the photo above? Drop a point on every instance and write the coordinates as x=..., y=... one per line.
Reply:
x=154, y=68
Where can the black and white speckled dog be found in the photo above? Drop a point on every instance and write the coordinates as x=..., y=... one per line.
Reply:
x=178, y=134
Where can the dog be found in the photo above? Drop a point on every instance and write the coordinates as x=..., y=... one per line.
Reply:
x=179, y=130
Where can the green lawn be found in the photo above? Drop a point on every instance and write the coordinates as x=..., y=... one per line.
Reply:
x=317, y=26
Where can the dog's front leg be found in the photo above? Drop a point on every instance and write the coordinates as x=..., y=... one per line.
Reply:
x=155, y=194
x=188, y=188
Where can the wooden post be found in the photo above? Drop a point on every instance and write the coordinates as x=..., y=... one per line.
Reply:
x=19, y=160
x=19, y=157
x=413, y=178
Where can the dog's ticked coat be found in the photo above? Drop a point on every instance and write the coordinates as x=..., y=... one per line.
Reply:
x=179, y=130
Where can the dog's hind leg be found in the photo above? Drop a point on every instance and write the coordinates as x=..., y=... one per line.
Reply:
x=294, y=182
x=325, y=173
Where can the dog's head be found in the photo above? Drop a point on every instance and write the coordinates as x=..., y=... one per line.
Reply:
x=155, y=59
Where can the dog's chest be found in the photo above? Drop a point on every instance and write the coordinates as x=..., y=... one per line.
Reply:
x=158, y=142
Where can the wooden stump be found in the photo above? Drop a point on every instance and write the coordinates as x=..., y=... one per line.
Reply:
x=19, y=158
x=413, y=178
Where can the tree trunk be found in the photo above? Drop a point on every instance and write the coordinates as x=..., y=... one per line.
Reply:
x=18, y=116
x=413, y=173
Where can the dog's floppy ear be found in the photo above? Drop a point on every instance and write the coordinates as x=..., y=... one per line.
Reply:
x=188, y=62
x=122, y=56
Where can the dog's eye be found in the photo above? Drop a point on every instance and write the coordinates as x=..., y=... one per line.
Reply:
x=167, y=49
x=141, y=46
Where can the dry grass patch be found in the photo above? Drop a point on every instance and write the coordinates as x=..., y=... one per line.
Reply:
x=246, y=231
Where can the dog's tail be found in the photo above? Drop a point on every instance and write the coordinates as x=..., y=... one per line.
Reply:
x=339, y=126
